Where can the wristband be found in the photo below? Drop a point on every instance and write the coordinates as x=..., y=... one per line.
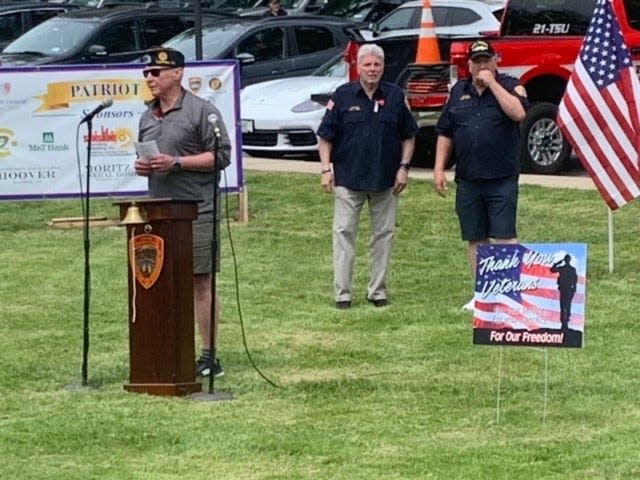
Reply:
x=406, y=166
x=326, y=170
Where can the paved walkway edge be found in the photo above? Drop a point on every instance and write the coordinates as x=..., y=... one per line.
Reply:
x=581, y=182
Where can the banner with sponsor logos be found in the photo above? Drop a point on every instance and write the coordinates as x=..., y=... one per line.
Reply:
x=43, y=145
x=531, y=295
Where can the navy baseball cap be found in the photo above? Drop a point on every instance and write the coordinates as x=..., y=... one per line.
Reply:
x=481, y=48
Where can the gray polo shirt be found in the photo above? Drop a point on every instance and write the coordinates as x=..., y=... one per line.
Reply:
x=185, y=130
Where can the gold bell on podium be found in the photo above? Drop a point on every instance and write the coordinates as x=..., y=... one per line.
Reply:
x=134, y=216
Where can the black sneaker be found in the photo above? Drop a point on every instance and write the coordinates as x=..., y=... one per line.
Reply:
x=378, y=302
x=203, y=370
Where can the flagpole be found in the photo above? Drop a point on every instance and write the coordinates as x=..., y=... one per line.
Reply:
x=611, y=243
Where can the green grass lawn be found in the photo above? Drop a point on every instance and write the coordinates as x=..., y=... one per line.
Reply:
x=394, y=393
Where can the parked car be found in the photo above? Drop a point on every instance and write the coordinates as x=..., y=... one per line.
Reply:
x=97, y=35
x=270, y=47
x=18, y=17
x=453, y=18
x=282, y=116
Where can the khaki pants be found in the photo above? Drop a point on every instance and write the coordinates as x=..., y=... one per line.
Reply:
x=347, y=207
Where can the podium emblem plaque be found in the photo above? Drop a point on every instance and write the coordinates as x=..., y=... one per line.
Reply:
x=147, y=256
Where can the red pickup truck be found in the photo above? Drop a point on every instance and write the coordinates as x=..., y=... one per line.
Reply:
x=538, y=43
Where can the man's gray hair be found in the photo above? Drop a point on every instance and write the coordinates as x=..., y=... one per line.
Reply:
x=370, y=49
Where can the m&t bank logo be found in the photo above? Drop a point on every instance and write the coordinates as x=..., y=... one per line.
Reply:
x=48, y=144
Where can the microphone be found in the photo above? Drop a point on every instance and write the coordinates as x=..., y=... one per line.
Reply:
x=106, y=103
x=213, y=121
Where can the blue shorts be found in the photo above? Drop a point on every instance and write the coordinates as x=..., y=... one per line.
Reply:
x=487, y=209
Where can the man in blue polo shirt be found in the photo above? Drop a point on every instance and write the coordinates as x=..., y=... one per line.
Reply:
x=481, y=119
x=368, y=134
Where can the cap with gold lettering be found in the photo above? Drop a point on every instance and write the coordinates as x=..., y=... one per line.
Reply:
x=481, y=48
x=164, y=57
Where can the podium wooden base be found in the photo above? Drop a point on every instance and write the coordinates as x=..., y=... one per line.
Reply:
x=161, y=315
x=165, y=389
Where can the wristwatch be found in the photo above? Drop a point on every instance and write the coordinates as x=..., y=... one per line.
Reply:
x=405, y=165
x=176, y=166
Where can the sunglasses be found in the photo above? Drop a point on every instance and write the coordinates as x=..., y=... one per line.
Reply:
x=154, y=73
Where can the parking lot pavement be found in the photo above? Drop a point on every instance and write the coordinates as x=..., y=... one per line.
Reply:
x=577, y=179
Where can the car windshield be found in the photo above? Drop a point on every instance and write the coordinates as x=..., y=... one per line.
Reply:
x=53, y=37
x=354, y=10
x=215, y=38
x=335, y=68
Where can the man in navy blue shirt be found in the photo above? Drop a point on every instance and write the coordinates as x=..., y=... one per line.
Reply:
x=481, y=119
x=368, y=134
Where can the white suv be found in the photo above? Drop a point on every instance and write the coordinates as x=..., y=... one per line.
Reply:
x=453, y=19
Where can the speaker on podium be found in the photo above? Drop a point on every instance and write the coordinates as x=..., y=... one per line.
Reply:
x=161, y=311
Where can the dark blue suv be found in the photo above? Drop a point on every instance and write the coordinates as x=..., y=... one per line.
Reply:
x=270, y=47
x=98, y=35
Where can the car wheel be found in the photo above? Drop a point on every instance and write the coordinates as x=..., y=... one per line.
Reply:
x=544, y=149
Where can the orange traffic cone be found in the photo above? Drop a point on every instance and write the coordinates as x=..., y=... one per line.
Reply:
x=428, y=51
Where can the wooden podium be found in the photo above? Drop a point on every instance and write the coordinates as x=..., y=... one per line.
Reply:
x=161, y=311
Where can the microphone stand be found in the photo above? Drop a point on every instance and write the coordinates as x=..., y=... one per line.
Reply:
x=86, y=203
x=87, y=268
x=212, y=395
x=214, y=257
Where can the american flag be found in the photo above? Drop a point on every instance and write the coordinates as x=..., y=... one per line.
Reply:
x=524, y=296
x=598, y=113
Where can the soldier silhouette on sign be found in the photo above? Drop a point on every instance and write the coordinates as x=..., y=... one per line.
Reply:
x=567, y=281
